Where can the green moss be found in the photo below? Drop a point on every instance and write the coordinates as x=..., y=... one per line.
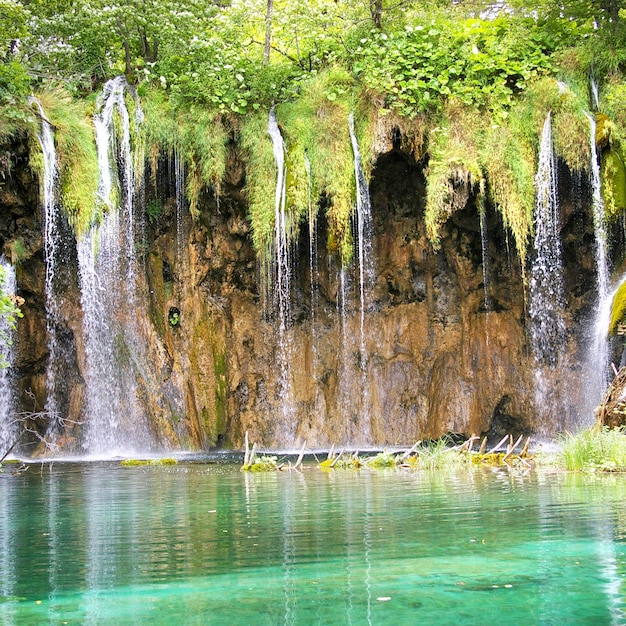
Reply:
x=200, y=137
x=509, y=162
x=618, y=308
x=17, y=251
x=454, y=169
x=137, y=462
x=221, y=388
x=316, y=125
x=260, y=181
x=77, y=156
x=613, y=175
x=262, y=464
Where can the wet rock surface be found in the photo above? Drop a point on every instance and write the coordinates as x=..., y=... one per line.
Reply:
x=444, y=346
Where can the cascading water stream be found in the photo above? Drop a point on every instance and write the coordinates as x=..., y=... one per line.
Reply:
x=114, y=149
x=599, y=365
x=366, y=269
x=282, y=274
x=53, y=262
x=547, y=327
x=107, y=267
x=179, y=174
x=364, y=236
x=281, y=277
x=546, y=279
x=595, y=95
x=599, y=222
x=312, y=259
x=598, y=359
x=8, y=426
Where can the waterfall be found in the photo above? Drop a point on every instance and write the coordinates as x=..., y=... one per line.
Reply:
x=366, y=270
x=8, y=427
x=107, y=273
x=53, y=260
x=599, y=222
x=365, y=229
x=115, y=159
x=282, y=273
x=595, y=96
x=598, y=357
x=281, y=277
x=547, y=328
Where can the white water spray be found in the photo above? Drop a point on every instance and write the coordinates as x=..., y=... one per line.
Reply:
x=598, y=358
x=107, y=265
x=546, y=280
x=547, y=326
x=599, y=222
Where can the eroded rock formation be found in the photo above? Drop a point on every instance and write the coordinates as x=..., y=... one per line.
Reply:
x=443, y=350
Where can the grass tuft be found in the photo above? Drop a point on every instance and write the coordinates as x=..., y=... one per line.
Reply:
x=595, y=449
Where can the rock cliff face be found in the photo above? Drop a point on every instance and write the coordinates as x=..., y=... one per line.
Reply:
x=444, y=346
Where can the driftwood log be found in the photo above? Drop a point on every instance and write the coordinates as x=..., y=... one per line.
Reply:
x=612, y=410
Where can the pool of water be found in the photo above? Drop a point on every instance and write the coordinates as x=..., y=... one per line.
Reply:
x=194, y=543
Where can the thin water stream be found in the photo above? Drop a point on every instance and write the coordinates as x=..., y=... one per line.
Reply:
x=8, y=426
x=280, y=280
x=197, y=543
x=53, y=262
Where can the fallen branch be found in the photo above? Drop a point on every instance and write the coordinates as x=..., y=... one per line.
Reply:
x=504, y=439
x=408, y=453
x=512, y=449
x=300, y=457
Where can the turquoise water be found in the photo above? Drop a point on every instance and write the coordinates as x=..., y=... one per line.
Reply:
x=207, y=544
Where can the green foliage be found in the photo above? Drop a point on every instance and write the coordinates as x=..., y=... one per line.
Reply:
x=316, y=127
x=477, y=62
x=154, y=210
x=17, y=251
x=199, y=136
x=14, y=89
x=261, y=181
x=454, y=169
x=611, y=139
x=595, y=449
x=509, y=163
x=12, y=23
x=77, y=157
x=383, y=459
x=173, y=319
x=618, y=308
x=262, y=464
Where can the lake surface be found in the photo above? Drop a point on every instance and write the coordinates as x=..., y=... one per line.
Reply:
x=207, y=544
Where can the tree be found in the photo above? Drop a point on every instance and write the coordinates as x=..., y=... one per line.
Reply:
x=12, y=26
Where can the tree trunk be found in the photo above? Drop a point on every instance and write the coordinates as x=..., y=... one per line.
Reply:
x=268, y=31
x=376, y=10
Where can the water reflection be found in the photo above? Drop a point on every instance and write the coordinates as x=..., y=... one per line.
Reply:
x=101, y=543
